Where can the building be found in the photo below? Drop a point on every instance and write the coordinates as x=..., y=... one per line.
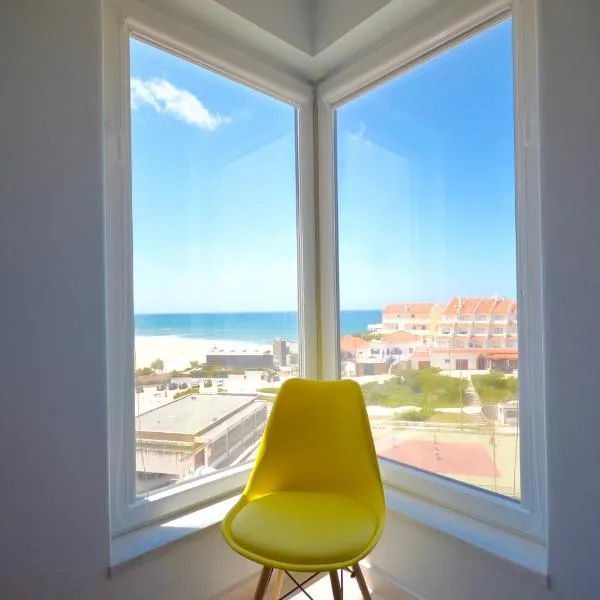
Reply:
x=421, y=317
x=240, y=360
x=508, y=413
x=466, y=359
x=280, y=352
x=402, y=344
x=353, y=347
x=372, y=366
x=195, y=432
x=478, y=323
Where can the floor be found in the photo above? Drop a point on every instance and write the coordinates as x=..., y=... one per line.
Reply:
x=320, y=589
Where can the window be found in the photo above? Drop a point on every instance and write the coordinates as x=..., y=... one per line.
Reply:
x=211, y=251
x=215, y=301
x=431, y=143
x=432, y=146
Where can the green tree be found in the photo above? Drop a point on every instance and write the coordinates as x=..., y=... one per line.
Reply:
x=144, y=371
x=423, y=388
x=194, y=364
x=495, y=387
x=158, y=365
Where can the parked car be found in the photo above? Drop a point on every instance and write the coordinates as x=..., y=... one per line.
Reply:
x=172, y=386
x=183, y=386
x=160, y=387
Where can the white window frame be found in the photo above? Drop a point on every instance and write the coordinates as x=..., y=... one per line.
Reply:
x=526, y=519
x=121, y=20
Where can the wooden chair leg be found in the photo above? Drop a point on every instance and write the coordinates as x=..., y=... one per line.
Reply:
x=335, y=585
x=263, y=582
x=279, y=577
x=362, y=584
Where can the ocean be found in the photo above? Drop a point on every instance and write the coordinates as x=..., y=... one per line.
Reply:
x=260, y=328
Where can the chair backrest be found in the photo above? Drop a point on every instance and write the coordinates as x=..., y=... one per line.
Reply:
x=318, y=439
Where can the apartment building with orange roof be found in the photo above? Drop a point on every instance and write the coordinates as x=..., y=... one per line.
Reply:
x=478, y=323
x=420, y=318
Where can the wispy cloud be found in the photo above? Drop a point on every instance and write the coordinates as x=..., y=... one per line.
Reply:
x=359, y=134
x=164, y=97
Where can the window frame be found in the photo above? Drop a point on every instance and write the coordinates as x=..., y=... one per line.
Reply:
x=317, y=248
x=527, y=518
x=122, y=20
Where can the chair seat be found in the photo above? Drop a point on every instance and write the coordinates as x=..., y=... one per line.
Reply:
x=304, y=528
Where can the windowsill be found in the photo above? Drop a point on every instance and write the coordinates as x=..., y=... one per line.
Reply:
x=524, y=556
x=135, y=546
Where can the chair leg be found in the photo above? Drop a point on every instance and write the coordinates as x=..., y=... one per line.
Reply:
x=362, y=584
x=335, y=586
x=278, y=584
x=263, y=582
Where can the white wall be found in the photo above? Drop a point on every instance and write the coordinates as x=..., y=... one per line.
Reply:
x=54, y=540
x=290, y=20
x=334, y=18
x=53, y=464
x=435, y=565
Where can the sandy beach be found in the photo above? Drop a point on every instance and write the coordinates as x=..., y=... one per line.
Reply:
x=177, y=352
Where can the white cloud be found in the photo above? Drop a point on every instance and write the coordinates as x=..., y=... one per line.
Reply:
x=359, y=135
x=165, y=97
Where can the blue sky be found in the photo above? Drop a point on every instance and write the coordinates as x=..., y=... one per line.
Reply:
x=425, y=180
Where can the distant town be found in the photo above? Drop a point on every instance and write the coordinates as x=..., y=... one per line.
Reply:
x=440, y=383
x=467, y=334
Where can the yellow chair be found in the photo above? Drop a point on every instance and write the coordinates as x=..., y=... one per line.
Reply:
x=314, y=501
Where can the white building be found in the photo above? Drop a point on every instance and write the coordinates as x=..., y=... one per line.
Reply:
x=466, y=359
x=478, y=323
x=421, y=317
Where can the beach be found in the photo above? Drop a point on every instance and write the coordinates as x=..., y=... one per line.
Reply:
x=177, y=339
x=177, y=352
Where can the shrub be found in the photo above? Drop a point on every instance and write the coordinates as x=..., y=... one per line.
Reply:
x=417, y=415
x=187, y=392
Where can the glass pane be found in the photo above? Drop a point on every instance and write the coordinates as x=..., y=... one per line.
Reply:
x=214, y=265
x=427, y=250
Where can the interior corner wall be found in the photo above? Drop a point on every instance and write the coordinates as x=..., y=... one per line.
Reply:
x=53, y=464
x=290, y=20
x=54, y=523
x=436, y=566
x=335, y=18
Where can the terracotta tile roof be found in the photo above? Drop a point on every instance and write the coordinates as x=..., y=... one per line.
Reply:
x=485, y=306
x=504, y=354
x=484, y=351
x=400, y=337
x=505, y=307
x=465, y=307
x=421, y=354
x=419, y=308
x=350, y=343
